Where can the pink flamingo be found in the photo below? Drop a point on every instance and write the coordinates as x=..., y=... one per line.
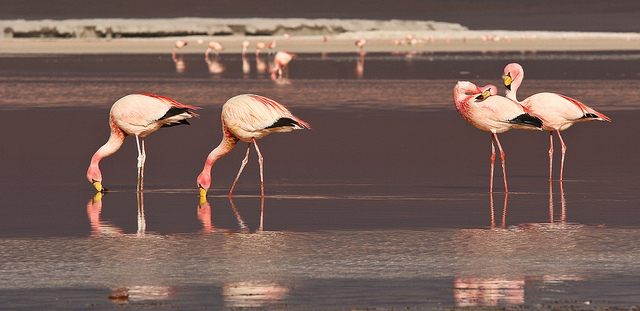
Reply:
x=245, y=47
x=138, y=115
x=179, y=44
x=282, y=60
x=491, y=113
x=558, y=112
x=259, y=47
x=273, y=45
x=214, y=46
x=248, y=117
x=360, y=44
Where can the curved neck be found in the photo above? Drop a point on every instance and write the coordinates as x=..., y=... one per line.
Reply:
x=110, y=147
x=515, y=84
x=226, y=145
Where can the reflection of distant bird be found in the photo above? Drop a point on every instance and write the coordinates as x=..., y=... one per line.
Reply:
x=360, y=68
x=559, y=112
x=281, y=61
x=248, y=117
x=215, y=66
x=360, y=44
x=214, y=46
x=493, y=114
x=259, y=47
x=138, y=115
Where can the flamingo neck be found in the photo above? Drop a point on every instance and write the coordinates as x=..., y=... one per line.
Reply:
x=228, y=142
x=110, y=147
x=515, y=84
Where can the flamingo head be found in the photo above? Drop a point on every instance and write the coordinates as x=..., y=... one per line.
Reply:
x=487, y=90
x=512, y=72
x=204, y=182
x=95, y=177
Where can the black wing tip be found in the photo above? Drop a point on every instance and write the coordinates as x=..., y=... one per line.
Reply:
x=183, y=121
x=527, y=119
x=173, y=111
x=282, y=122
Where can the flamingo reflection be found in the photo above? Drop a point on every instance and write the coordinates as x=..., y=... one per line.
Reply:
x=205, y=217
x=473, y=292
x=100, y=228
x=360, y=68
x=214, y=65
x=504, y=211
x=124, y=295
x=246, y=67
x=253, y=294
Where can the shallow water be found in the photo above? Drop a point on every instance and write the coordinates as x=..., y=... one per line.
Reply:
x=384, y=204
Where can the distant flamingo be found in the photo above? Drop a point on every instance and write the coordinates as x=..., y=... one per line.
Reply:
x=557, y=111
x=179, y=44
x=248, y=117
x=360, y=44
x=281, y=61
x=138, y=115
x=491, y=113
x=214, y=46
x=259, y=47
x=272, y=46
x=245, y=47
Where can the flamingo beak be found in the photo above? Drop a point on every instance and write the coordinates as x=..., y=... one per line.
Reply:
x=507, y=81
x=98, y=186
x=203, y=193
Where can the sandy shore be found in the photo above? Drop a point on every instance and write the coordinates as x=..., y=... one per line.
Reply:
x=436, y=41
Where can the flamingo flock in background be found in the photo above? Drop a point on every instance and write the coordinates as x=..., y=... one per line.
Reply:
x=138, y=115
x=558, y=112
x=248, y=117
x=496, y=114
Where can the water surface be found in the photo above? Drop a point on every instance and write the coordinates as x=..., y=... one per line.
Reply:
x=384, y=204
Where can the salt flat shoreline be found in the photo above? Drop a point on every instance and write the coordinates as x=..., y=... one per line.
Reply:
x=378, y=41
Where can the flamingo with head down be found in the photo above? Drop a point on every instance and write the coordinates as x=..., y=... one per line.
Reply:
x=138, y=115
x=491, y=113
x=281, y=60
x=558, y=112
x=248, y=117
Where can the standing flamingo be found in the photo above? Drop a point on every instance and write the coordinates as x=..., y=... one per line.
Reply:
x=179, y=44
x=248, y=117
x=281, y=61
x=360, y=44
x=214, y=46
x=138, y=115
x=272, y=46
x=245, y=47
x=259, y=47
x=491, y=113
x=559, y=112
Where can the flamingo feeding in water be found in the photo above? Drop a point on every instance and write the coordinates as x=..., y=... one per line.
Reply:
x=259, y=47
x=281, y=60
x=179, y=44
x=138, y=115
x=558, y=112
x=214, y=46
x=248, y=117
x=491, y=113
x=360, y=44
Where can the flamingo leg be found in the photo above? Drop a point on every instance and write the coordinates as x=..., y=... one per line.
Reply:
x=142, y=157
x=260, y=161
x=551, y=155
x=564, y=149
x=502, y=157
x=493, y=161
x=244, y=162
